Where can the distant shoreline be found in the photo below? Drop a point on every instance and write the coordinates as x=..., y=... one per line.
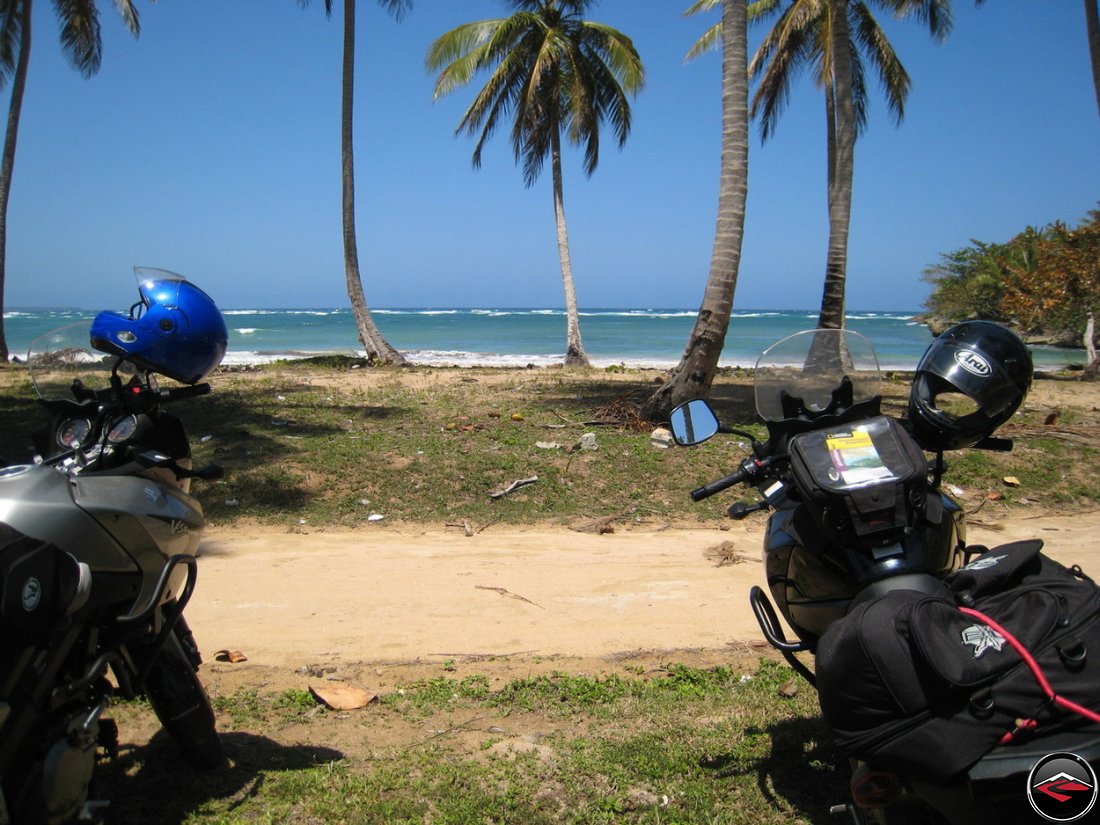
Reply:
x=652, y=338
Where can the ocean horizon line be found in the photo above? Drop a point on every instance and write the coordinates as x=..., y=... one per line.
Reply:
x=648, y=338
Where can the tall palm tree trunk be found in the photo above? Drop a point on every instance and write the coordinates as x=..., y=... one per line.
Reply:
x=693, y=377
x=7, y=165
x=842, y=157
x=1092, y=26
x=574, y=348
x=377, y=348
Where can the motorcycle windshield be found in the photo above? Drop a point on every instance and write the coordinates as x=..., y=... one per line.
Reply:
x=810, y=368
x=59, y=357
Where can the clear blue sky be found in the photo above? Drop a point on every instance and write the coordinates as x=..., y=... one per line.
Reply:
x=210, y=146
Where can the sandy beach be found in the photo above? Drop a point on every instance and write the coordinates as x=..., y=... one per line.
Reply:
x=343, y=600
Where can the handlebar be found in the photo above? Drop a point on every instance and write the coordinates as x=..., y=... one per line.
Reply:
x=180, y=393
x=708, y=490
x=750, y=470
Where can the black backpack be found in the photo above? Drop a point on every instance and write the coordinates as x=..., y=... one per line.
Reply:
x=928, y=684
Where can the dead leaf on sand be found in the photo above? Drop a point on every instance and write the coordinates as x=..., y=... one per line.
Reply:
x=342, y=696
x=234, y=657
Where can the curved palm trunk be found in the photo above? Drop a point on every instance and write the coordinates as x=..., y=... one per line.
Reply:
x=842, y=164
x=7, y=165
x=375, y=345
x=1092, y=362
x=694, y=375
x=1092, y=26
x=574, y=347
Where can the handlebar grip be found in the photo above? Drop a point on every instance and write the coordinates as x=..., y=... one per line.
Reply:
x=708, y=490
x=179, y=393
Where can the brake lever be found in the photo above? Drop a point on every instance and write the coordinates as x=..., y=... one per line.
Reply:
x=738, y=511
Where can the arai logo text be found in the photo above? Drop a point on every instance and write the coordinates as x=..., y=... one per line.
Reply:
x=973, y=363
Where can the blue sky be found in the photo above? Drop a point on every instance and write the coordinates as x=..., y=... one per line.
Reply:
x=210, y=146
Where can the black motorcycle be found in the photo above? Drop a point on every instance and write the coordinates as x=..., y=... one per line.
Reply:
x=97, y=563
x=858, y=512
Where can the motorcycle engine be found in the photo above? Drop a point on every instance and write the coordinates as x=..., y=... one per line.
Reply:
x=68, y=767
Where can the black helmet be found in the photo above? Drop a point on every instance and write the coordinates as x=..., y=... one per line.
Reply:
x=981, y=360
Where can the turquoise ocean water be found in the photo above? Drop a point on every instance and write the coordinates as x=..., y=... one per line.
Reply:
x=517, y=337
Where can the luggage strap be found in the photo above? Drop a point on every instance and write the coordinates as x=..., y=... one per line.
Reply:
x=1037, y=672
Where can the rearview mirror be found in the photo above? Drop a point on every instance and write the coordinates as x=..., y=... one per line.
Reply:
x=693, y=423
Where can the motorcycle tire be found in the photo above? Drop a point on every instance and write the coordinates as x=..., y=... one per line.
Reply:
x=180, y=702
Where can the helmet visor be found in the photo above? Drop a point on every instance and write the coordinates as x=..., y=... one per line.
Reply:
x=977, y=376
x=156, y=286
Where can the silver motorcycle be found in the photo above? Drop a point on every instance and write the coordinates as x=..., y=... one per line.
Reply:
x=98, y=539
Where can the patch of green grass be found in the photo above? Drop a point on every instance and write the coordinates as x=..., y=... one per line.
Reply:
x=248, y=707
x=321, y=443
x=682, y=745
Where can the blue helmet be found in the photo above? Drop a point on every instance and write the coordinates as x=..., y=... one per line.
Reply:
x=175, y=329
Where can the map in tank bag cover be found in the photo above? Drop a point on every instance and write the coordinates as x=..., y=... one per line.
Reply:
x=1062, y=787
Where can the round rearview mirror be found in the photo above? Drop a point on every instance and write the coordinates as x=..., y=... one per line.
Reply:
x=693, y=422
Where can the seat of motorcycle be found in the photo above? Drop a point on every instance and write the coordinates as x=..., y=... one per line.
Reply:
x=920, y=582
x=1009, y=760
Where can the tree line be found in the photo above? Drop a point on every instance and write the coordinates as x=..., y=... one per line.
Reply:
x=1043, y=281
x=551, y=73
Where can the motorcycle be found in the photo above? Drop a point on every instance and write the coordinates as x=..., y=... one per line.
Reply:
x=98, y=541
x=857, y=510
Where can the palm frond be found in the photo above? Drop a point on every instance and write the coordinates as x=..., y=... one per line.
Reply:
x=757, y=10
x=580, y=104
x=861, y=98
x=701, y=6
x=710, y=40
x=129, y=14
x=11, y=30
x=617, y=52
x=792, y=44
x=893, y=78
x=499, y=91
x=328, y=6
x=459, y=43
x=395, y=7
x=774, y=89
x=80, y=40
x=936, y=15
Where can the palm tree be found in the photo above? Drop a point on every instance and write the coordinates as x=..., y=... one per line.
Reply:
x=834, y=38
x=376, y=347
x=83, y=48
x=558, y=73
x=694, y=375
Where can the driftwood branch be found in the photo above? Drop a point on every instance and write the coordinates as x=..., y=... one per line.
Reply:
x=515, y=485
x=509, y=594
